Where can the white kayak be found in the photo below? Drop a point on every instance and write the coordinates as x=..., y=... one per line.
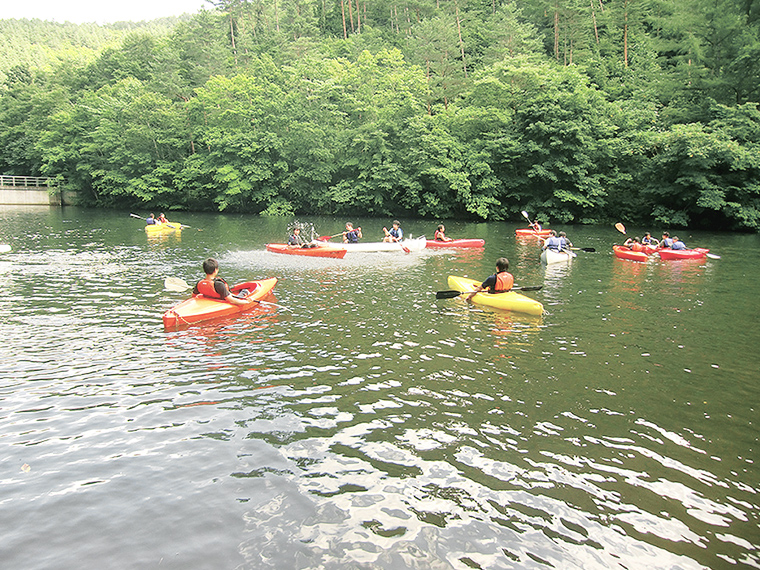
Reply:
x=549, y=256
x=405, y=246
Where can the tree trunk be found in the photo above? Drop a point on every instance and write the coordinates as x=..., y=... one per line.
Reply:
x=343, y=13
x=461, y=43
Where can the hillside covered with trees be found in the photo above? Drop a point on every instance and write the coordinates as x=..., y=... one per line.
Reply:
x=584, y=111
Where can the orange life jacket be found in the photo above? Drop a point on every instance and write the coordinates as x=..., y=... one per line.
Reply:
x=206, y=288
x=504, y=282
x=635, y=246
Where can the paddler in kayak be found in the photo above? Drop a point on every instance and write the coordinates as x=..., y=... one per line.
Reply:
x=440, y=234
x=666, y=241
x=500, y=282
x=296, y=240
x=649, y=240
x=215, y=287
x=677, y=244
x=150, y=220
x=634, y=244
x=557, y=242
x=352, y=235
x=395, y=233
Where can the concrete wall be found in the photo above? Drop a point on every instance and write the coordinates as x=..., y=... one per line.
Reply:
x=34, y=197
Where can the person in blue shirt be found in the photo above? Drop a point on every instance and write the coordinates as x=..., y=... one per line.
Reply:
x=649, y=240
x=150, y=220
x=565, y=243
x=553, y=242
x=351, y=235
x=677, y=244
x=666, y=241
x=395, y=233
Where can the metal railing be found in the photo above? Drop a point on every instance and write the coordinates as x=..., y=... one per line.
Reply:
x=27, y=181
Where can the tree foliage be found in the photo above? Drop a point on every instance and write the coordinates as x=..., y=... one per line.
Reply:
x=636, y=110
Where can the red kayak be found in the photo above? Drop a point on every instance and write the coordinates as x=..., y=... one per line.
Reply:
x=527, y=232
x=322, y=250
x=672, y=254
x=456, y=243
x=200, y=308
x=623, y=252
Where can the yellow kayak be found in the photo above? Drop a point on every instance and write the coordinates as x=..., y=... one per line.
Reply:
x=511, y=301
x=166, y=228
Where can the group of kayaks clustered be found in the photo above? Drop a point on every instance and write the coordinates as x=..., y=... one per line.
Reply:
x=201, y=308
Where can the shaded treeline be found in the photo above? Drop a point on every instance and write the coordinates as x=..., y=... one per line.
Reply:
x=636, y=110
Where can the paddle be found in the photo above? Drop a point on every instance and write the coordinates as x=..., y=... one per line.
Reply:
x=177, y=284
x=533, y=225
x=588, y=249
x=451, y=293
x=620, y=227
x=712, y=256
x=327, y=238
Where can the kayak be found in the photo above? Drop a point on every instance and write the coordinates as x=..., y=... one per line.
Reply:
x=512, y=301
x=672, y=254
x=623, y=252
x=407, y=245
x=322, y=250
x=456, y=243
x=526, y=232
x=4, y=248
x=199, y=308
x=166, y=228
x=549, y=256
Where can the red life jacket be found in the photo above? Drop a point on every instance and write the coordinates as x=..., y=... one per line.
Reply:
x=206, y=288
x=504, y=282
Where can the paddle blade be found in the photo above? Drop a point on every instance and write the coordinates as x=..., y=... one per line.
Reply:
x=450, y=294
x=529, y=288
x=176, y=284
x=525, y=215
x=324, y=238
x=620, y=227
x=712, y=256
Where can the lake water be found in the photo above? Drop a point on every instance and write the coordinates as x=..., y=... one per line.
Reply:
x=370, y=425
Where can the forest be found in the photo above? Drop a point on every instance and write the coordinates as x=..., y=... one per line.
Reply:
x=580, y=111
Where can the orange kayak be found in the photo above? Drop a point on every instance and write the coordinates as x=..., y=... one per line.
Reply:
x=323, y=250
x=696, y=253
x=527, y=232
x=199, y=308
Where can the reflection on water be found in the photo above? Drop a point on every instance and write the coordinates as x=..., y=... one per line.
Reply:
x=372, y=425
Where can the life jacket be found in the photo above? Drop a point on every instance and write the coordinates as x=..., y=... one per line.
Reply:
x=554, y=243
x=635, y=246
x=352, y=236
x=438, y=236
x=504, y=282
x=397, y=233
x=206, y=288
